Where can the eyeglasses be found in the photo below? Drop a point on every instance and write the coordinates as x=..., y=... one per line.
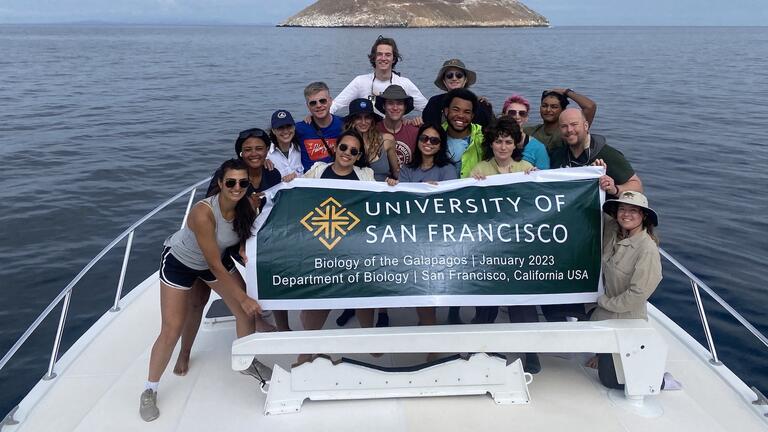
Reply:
x=230, y=183
x=322, y=101
x=429, y=139
x=521, y=113
x=353, y=151
x=254, y=132
x=452, y=75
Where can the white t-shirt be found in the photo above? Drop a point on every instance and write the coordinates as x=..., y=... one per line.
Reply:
x=365, y=85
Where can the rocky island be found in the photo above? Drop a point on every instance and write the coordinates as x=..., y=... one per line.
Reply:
x=417, y=13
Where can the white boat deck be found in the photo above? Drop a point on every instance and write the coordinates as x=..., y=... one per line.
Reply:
x=100, y=379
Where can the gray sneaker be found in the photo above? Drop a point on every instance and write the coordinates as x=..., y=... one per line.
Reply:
x=258, y=370
x=148, y=407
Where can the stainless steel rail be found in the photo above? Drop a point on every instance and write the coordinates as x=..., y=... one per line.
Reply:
x=65, y=294
x=696, y=283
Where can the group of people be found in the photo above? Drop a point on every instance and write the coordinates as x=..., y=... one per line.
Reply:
x=458, y=135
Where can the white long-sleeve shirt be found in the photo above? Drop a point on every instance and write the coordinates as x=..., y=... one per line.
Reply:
x=365, y=85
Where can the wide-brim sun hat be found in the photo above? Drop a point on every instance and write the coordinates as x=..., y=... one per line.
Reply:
x=636, y=199
x=394, y=92
x=458, y=64
x=361, y=106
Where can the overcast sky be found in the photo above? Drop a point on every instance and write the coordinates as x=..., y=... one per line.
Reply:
x=559, y=12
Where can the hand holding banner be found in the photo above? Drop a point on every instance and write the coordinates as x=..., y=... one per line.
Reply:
x=508, y=239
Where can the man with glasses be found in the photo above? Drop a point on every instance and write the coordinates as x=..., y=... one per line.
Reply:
x=553, y=102
x=318, y=135
x=384, y=56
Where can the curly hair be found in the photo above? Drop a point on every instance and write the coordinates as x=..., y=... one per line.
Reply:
x=503, y=127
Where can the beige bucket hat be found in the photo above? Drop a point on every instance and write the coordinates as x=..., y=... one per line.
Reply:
x=633, y=198
x=454, y=63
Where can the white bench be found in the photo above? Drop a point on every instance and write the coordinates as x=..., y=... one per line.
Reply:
x=639, y=352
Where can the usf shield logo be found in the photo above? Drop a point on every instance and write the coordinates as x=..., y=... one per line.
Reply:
x=329, y=222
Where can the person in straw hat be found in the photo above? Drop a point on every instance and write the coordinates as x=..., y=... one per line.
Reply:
x=454, y=74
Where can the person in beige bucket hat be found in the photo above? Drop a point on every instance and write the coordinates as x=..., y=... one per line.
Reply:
x=452, y=75
x=631, y=266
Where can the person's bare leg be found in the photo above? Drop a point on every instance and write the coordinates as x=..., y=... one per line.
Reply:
x=198, y=298
x=311, y=320
x=427, y=315
x=281, y=319
x=174, y=306
x=365, y=317
x=244, y=324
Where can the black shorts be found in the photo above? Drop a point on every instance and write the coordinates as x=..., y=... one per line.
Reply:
x=177, y=275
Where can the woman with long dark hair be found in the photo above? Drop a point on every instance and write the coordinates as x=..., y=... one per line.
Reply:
x=251, y=147
x=195, y=252
x=431, y=162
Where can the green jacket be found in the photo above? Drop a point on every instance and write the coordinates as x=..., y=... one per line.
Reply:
x=474, y=152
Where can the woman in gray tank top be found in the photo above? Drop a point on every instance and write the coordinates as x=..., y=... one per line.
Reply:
x=195, y=252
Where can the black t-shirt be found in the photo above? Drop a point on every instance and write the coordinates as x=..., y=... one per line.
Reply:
x=330, y=174
x=433, y=112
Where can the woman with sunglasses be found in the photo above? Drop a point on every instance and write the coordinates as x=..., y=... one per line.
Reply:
x=431, y=162
x=195, y=253
x=251, y=147
x=349, y=160
x=379, y=147
x=534, y=151
x=451, y=76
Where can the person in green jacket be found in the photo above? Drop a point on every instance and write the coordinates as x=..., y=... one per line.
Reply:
x=465, y=139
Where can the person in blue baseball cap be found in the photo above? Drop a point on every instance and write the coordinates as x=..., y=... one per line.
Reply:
x=285, y=152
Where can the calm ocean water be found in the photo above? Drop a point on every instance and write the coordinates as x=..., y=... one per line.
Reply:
x=98, y=124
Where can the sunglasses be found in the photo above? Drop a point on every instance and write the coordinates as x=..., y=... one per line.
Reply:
x=230, y=183
x=452, y=75
x=429, y=139
x=352, y=151
x=521, y=113
x=252, y=133
x=322, y=101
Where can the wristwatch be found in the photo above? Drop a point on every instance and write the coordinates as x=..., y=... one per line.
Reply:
x=568, y=90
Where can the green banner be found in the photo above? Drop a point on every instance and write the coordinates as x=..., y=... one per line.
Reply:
x=510, y=239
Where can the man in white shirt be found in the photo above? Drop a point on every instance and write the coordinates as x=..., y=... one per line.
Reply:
x=384, y=56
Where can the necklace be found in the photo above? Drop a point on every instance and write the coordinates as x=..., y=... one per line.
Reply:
x=373, y=95
x=573, y=162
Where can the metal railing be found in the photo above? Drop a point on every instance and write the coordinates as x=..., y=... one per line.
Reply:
x=696, y=285
x=66, y=294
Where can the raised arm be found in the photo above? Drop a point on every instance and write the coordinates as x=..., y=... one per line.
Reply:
x=587, y=105
x=389, y=148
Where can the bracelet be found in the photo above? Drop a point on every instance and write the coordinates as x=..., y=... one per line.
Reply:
x=617, y=189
